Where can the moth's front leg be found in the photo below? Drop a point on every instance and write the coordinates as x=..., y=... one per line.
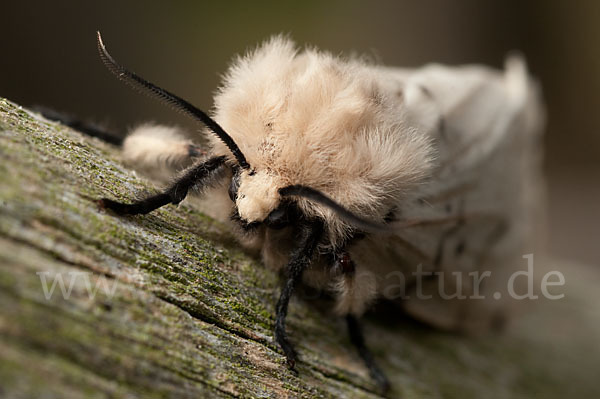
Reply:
x=199, y=176
x=308, y=238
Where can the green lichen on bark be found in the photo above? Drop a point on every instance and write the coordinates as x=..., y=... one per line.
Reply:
x=192, y=315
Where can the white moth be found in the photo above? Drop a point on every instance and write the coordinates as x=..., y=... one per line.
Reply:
x=353, y=176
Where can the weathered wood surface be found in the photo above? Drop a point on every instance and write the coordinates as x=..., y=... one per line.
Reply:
x=192, y=316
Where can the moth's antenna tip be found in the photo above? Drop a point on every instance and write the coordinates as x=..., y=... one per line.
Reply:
x=104, y=55
x=99, y=37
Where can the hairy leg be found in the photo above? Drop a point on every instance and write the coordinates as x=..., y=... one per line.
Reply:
x=159, y=151
x=308, y=239
x=358, y=340
x=199, y=176
x=89, y=128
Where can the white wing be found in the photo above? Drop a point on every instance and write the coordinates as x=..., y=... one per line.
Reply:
x=477, y=210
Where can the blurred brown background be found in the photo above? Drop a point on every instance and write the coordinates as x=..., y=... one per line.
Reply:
x=48, y=56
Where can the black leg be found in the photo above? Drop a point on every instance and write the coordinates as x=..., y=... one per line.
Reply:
x=358, y=340
x=89, y=128
x=197, y=175
x=308, y=239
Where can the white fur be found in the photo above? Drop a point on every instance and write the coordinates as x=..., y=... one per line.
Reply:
x=313, y=119
x=157, y=149
x=460, y=140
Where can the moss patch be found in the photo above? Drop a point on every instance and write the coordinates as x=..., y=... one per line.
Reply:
x=192, y=316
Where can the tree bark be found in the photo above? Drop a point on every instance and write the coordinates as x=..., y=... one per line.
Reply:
x=191, y=315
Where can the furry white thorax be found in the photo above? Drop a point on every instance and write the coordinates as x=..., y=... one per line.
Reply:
x=313, y=119
x=462, y=140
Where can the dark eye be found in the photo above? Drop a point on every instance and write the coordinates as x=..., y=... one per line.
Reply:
x=278, y=218
x=234, y=185
x=282, y=216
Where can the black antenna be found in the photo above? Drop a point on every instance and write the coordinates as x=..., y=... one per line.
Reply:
x=344, y=214
x=178, y=103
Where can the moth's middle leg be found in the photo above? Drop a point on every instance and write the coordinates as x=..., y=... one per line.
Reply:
x=358, y=340
x=308, y=238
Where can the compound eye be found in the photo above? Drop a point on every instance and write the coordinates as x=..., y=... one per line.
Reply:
x=278, y=218
x=234, y=185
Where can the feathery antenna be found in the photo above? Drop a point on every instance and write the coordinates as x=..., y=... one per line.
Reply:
x=174, y=101
x=344, y=214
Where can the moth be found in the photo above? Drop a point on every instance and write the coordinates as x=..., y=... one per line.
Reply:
x=350, y=176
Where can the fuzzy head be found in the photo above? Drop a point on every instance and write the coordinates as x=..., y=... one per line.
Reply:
x=257, y=195
x=308, y=118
